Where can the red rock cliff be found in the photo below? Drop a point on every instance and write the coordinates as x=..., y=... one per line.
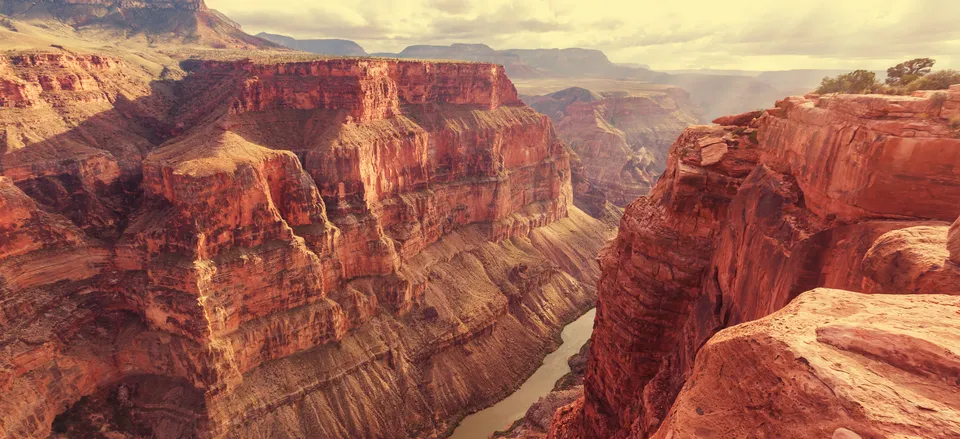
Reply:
x=848, y=192
x=335, y=248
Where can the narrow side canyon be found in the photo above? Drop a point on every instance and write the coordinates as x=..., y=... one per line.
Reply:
x=620, y=137
x=277, y=247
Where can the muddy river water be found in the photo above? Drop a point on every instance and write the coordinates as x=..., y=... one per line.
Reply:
x=499, y=416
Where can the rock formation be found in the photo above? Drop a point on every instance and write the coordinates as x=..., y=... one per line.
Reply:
x=832, y=364
x=532, y=63
x=621, y=138
x=276, y=247
x=716, y=94
x=846, y=192
x=188, y=22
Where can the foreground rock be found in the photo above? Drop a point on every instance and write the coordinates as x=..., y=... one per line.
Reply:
x=830, y=364
x=276, y=248
x=817, y=192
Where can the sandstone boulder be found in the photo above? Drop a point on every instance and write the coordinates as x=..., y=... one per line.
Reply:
x=953, y=242
x=831, y=364
x=741, y=120
x=914, y=260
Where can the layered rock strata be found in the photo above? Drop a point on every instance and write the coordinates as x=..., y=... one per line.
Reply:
x=273, y=248
x=620, y=138
x=817, y=192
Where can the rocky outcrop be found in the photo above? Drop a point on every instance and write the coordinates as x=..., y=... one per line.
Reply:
x=620, y=138
x=277, y=248
x=817, y=192
x=831, y=364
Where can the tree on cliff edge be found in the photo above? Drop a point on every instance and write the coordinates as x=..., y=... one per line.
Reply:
x=909, y=71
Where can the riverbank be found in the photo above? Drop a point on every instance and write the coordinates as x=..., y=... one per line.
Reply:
x=555, y=366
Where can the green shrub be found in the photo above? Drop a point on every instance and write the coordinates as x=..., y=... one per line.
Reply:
x=857, y=82
x=939, y=80
x=909, y=71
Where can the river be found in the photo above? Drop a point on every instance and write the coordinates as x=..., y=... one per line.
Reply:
x=501, y=415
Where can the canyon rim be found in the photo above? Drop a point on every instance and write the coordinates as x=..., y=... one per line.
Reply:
x=210, y=234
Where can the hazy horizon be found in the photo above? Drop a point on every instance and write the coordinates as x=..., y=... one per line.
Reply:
x=737, y=34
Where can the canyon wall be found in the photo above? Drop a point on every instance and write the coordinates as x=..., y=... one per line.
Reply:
x=621, y=138
x=276, y=247
x=845, y=192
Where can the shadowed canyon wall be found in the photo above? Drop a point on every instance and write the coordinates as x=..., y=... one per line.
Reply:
x=845, y=192
x=282, y=248
x=621, y=138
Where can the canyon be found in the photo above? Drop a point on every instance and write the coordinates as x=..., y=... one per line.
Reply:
x=715, y=93
x=278, y=246
x=205, y=235
x=621, y=137
x=706, y=323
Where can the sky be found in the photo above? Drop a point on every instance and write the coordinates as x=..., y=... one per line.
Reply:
x=664, y=34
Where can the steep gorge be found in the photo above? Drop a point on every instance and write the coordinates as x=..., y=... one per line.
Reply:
x=277, y=247
x=845, y=192
x=620, y=137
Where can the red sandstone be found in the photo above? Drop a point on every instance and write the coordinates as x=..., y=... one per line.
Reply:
x=848, y=192
x=257, y=255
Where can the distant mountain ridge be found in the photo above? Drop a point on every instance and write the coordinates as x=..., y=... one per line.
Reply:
x=168, y=21
x=717, y=92
x=533, y=63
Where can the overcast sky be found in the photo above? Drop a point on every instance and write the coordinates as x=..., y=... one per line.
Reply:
x=665, y=34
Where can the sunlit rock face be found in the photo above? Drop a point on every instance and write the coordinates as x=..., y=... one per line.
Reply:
x=185, y=24
x=789, y=361
x=847, y=192
x=276, y=248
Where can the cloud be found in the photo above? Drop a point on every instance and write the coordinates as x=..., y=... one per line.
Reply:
x=451, y=6
x=736, y=34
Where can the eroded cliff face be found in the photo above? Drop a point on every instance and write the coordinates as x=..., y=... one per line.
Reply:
x=335, y=248
x=620, y=138
x=817, y=192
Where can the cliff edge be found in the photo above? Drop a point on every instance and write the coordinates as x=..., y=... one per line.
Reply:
x=844, y=192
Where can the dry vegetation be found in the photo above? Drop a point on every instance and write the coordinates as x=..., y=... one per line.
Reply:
x=902, y=79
